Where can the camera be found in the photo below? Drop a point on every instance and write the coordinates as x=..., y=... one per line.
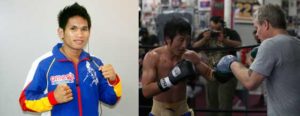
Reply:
x=214, y=34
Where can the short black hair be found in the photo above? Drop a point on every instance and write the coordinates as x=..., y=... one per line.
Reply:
x=218, y=19
x=177, y=25
x=71, y=11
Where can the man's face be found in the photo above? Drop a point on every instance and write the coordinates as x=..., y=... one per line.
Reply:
x=256, y=37
x=215, y=26
x=179, y=44
x=261, y=30
x=76, y=33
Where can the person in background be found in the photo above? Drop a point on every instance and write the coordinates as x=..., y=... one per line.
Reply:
x=218, y=95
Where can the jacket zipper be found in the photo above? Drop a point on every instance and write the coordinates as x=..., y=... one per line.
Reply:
x=78, y=88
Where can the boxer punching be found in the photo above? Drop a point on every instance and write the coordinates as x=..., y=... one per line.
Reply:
x=166, y=69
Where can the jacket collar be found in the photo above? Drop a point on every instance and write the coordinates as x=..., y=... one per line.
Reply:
x=61, y=57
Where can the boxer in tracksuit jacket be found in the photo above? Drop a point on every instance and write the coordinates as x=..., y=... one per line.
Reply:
x=68, y=81
x=87, y=84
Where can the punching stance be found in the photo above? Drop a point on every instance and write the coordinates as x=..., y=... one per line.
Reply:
x=277, y=62
x=165, y=70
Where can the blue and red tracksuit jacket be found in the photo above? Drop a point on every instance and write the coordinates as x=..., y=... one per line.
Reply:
x=86, y=81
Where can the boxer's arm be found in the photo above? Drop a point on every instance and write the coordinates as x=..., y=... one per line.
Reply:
x=149, y=76
x=33, y=97
x=117, y=85
x=109, y=73
x=200, y=64
x=107, y=91
x=205, y=70
x=250, y=79
x=110, y=88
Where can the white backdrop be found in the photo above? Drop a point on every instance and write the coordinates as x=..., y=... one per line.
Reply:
x=28, y=30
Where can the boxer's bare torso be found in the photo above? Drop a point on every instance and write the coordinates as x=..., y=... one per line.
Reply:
x=161, y=62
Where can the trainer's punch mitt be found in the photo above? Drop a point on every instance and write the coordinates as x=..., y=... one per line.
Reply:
x=181, y=71
x=253, y=52
x=222, y=77
x=222, y=72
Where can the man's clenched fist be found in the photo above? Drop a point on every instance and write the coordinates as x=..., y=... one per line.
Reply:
x=63, y=93
x=108, y=72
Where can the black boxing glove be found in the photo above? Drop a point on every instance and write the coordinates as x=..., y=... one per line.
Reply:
x=181, y=71
x=222, y=77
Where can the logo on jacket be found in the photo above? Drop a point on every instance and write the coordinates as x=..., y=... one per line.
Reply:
x=60, y=79
x=91, y=73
